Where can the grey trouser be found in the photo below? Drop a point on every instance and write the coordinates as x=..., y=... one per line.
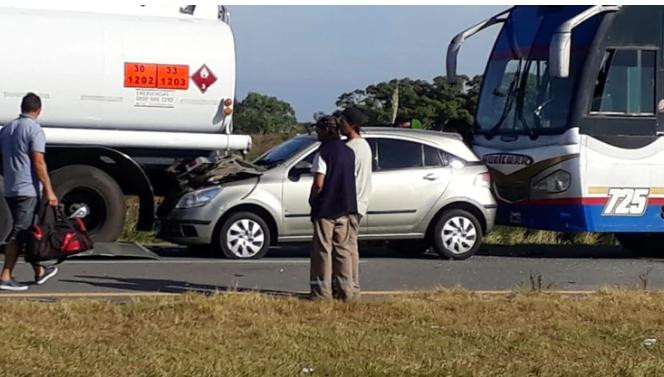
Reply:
x=23, y=210
x=331, y=259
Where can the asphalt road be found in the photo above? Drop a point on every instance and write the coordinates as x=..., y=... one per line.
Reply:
x=286, y=270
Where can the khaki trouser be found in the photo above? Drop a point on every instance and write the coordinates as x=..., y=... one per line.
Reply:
x=331, y=259
x=355, y=252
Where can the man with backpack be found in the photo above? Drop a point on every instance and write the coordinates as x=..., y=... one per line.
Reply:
x=23, y=145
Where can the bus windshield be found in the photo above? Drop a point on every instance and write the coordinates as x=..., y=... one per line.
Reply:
x=518, y=96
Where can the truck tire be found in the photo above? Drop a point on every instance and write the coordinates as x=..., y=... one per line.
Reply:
x=457, y=234
x=243, y=235
x=82, y=185
x=5, y=219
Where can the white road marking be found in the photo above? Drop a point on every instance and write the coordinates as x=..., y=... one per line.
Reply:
x=179, y=261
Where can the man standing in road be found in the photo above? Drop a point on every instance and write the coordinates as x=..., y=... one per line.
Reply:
x=23, y=145
x=333, y=204
x=350, y=122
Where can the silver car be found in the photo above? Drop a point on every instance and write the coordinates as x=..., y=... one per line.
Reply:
x=429, y=189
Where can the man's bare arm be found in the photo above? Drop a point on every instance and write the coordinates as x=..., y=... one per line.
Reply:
x=316, y=187
x=39, y=164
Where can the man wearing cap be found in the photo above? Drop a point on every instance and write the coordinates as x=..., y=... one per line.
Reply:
x=350, y=122
x=333, y=203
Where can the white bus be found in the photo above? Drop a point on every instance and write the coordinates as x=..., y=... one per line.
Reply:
x=570, y=119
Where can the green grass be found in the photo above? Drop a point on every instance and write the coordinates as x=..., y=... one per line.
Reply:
x=445, y=333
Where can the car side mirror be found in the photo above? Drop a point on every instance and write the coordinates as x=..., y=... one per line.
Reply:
x=301, y=168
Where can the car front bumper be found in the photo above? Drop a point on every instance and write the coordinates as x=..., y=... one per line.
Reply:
x=181, y=229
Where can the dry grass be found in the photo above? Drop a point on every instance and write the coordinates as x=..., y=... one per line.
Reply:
x=446, y=333
x=129, y=232
x=509, y=236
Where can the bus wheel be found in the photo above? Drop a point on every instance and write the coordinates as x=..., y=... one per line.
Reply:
x=85, y=186
x=645, y=244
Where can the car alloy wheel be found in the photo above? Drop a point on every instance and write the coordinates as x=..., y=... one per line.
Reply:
x=459, y=234
x=244, y=235
x=245, y=238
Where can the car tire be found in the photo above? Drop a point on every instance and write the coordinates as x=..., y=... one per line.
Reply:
x=243, y=235
x=409, y=248
x=86, y=185
x=457, y=234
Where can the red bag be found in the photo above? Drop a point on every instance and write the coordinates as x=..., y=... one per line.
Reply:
x=54, y=236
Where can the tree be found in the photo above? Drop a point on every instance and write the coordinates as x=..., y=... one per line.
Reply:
x=434, y=103
x=262, y=114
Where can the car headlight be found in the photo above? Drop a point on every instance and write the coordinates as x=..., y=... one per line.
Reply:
x=554, y=183
x=198, y=198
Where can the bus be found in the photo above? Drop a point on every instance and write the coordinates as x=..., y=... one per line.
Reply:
x=570, y=119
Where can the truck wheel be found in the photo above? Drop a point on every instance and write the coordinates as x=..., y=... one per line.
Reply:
x=457, y=234
x=85, y=186
x=243, y=235
x=5, y=219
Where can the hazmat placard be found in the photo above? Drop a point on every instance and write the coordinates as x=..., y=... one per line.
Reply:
x=156, y=76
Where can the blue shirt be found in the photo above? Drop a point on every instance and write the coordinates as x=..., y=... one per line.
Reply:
x=18, y=140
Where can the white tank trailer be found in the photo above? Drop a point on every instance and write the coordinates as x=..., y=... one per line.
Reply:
x=125, y=93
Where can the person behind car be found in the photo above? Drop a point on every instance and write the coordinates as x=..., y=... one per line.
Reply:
x=333, y=203
x=350, y=122
x=402, y=121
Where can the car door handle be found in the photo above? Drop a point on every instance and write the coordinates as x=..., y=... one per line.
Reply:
x=430, y=177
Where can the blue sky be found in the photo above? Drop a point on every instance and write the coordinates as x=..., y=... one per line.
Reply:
x=309, y=55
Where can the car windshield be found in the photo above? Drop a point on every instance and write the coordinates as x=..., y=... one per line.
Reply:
x=518, y=95
x=284, y=151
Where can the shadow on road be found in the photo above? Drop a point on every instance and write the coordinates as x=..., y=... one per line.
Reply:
x=167, y=286
x=517, y=251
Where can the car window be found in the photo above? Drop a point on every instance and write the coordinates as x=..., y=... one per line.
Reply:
x=284, y=151
x=434, y=157
x=398, y=154
x=374, y=154
x=293, y=172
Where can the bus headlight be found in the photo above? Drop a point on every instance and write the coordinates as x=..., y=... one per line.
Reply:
x=198, y=198
x=554, y=183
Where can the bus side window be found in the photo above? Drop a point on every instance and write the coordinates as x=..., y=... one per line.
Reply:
x=626, y=83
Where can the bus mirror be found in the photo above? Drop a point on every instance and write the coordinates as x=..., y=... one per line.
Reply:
x=457, y=41
x=559, y=55
x=561, y=43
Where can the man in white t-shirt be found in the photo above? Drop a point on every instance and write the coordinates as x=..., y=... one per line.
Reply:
x=350, y=122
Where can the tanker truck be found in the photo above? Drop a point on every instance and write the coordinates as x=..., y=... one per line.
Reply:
x=125, y=94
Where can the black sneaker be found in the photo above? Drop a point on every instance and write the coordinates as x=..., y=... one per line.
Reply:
x=12, y=285
x=48, y=273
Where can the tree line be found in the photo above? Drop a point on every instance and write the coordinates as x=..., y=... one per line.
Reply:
x=437, y=104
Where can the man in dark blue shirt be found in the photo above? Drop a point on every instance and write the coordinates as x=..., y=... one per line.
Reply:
x=333, y=201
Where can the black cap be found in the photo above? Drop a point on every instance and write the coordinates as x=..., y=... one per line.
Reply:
x=354, y=116
x=327, y=122
x=401, y=119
